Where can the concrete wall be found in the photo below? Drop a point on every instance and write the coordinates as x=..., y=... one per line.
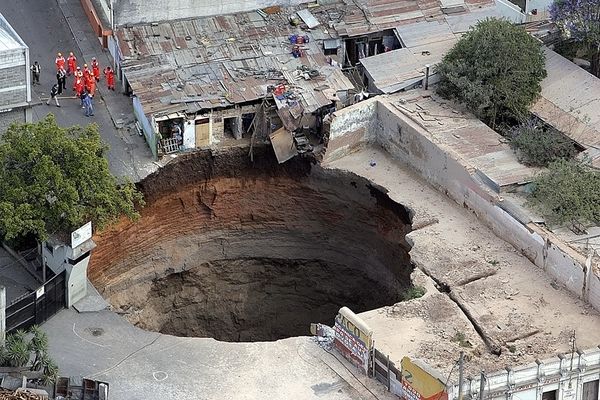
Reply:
x=57, y=260
x=404, y=140
x=352, y=127
x=143, y=11
x=10, y=115
x=14, y=73
x=149, y=133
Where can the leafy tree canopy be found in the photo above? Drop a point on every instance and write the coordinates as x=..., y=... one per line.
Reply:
x=55, y=179
x=567, y=192
x=579, y=20
x=495, y=69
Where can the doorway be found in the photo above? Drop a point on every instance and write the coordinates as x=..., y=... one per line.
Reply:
x=202, y=128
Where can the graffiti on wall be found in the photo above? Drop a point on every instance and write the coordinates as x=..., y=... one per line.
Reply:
x=419, y=384
x=353, y=338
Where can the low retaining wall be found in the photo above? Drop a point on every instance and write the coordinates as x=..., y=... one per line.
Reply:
x=377, y=122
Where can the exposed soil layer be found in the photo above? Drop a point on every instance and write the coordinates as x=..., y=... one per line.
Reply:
x=244, y=251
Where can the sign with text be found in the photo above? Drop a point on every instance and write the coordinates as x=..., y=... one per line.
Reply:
x=419, y=384
x=353, y=338
x=81, y=235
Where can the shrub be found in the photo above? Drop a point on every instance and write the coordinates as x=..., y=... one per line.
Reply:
x=567, y=192
x=537, y=146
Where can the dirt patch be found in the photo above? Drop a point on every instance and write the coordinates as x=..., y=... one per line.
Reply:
x=240, y=251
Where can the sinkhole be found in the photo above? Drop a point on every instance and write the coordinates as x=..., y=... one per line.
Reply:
x=253, y=251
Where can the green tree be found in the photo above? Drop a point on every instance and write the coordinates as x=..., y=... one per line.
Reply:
x=567, y=192
x=54, y=179
x=495, y=69
x=579, y=21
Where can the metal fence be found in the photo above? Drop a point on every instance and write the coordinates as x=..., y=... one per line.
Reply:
x=39, y=306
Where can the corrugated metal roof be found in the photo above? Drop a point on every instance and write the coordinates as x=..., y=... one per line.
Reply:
x=394, y=70
x=427, y=43
x=224, y=60
x=368, y=16
x=452, y=128
x=570, y=100
x=308, y=19
x=463, y=22
x=426, y=32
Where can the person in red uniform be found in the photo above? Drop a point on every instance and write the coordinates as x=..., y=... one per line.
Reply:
x=78, y=81
x=78, y=87
x=59, y=61
x=110, y=78
x=71, y=64
x=96, y=69
x=88, y=80
x=86, y=71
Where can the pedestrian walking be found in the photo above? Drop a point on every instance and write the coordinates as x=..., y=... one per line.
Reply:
x=89, y=105
x=96, y=69
x=53, y=95
x=82, y=97
x=110, y=78
x=61, y=80
x=35, y=72
x=59, y=61
x=71, y=64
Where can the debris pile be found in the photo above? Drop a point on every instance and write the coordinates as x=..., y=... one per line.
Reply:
x=20, y=394
x=325, y=336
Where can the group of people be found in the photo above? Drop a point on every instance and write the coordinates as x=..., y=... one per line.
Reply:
x=84, y=82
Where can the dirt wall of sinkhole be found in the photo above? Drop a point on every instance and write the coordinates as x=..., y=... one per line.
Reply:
x=248, y=251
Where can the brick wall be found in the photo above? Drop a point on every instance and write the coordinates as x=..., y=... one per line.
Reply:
x=11, y=58
x=7, y=117
x=13, y=78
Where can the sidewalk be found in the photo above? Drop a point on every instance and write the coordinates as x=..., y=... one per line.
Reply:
x=128, y=147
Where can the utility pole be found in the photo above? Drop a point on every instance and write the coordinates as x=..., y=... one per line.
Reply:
x=461, y=371
x=482, y=380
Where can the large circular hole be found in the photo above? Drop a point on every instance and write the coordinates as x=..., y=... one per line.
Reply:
x=253, y=252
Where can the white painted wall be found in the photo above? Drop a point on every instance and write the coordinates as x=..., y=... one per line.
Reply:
x=138, y=11
x=531, y=381
x=189, y=135
x=76, y=276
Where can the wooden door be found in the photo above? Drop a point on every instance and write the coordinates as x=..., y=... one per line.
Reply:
x=202, y=132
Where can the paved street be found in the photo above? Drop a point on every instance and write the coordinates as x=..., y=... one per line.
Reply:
x=48, y=26
x=147, y=365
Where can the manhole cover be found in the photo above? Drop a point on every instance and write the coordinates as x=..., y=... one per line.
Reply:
x=96, y=331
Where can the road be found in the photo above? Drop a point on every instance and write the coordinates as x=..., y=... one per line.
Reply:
x=43, y=26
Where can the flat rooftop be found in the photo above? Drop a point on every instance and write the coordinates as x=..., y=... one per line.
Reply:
x=452, y=127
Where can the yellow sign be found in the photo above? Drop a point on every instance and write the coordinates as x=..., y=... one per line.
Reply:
x=419, y=384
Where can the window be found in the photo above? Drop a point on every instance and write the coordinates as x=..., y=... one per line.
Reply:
x=551, y=395
x=590, y=390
